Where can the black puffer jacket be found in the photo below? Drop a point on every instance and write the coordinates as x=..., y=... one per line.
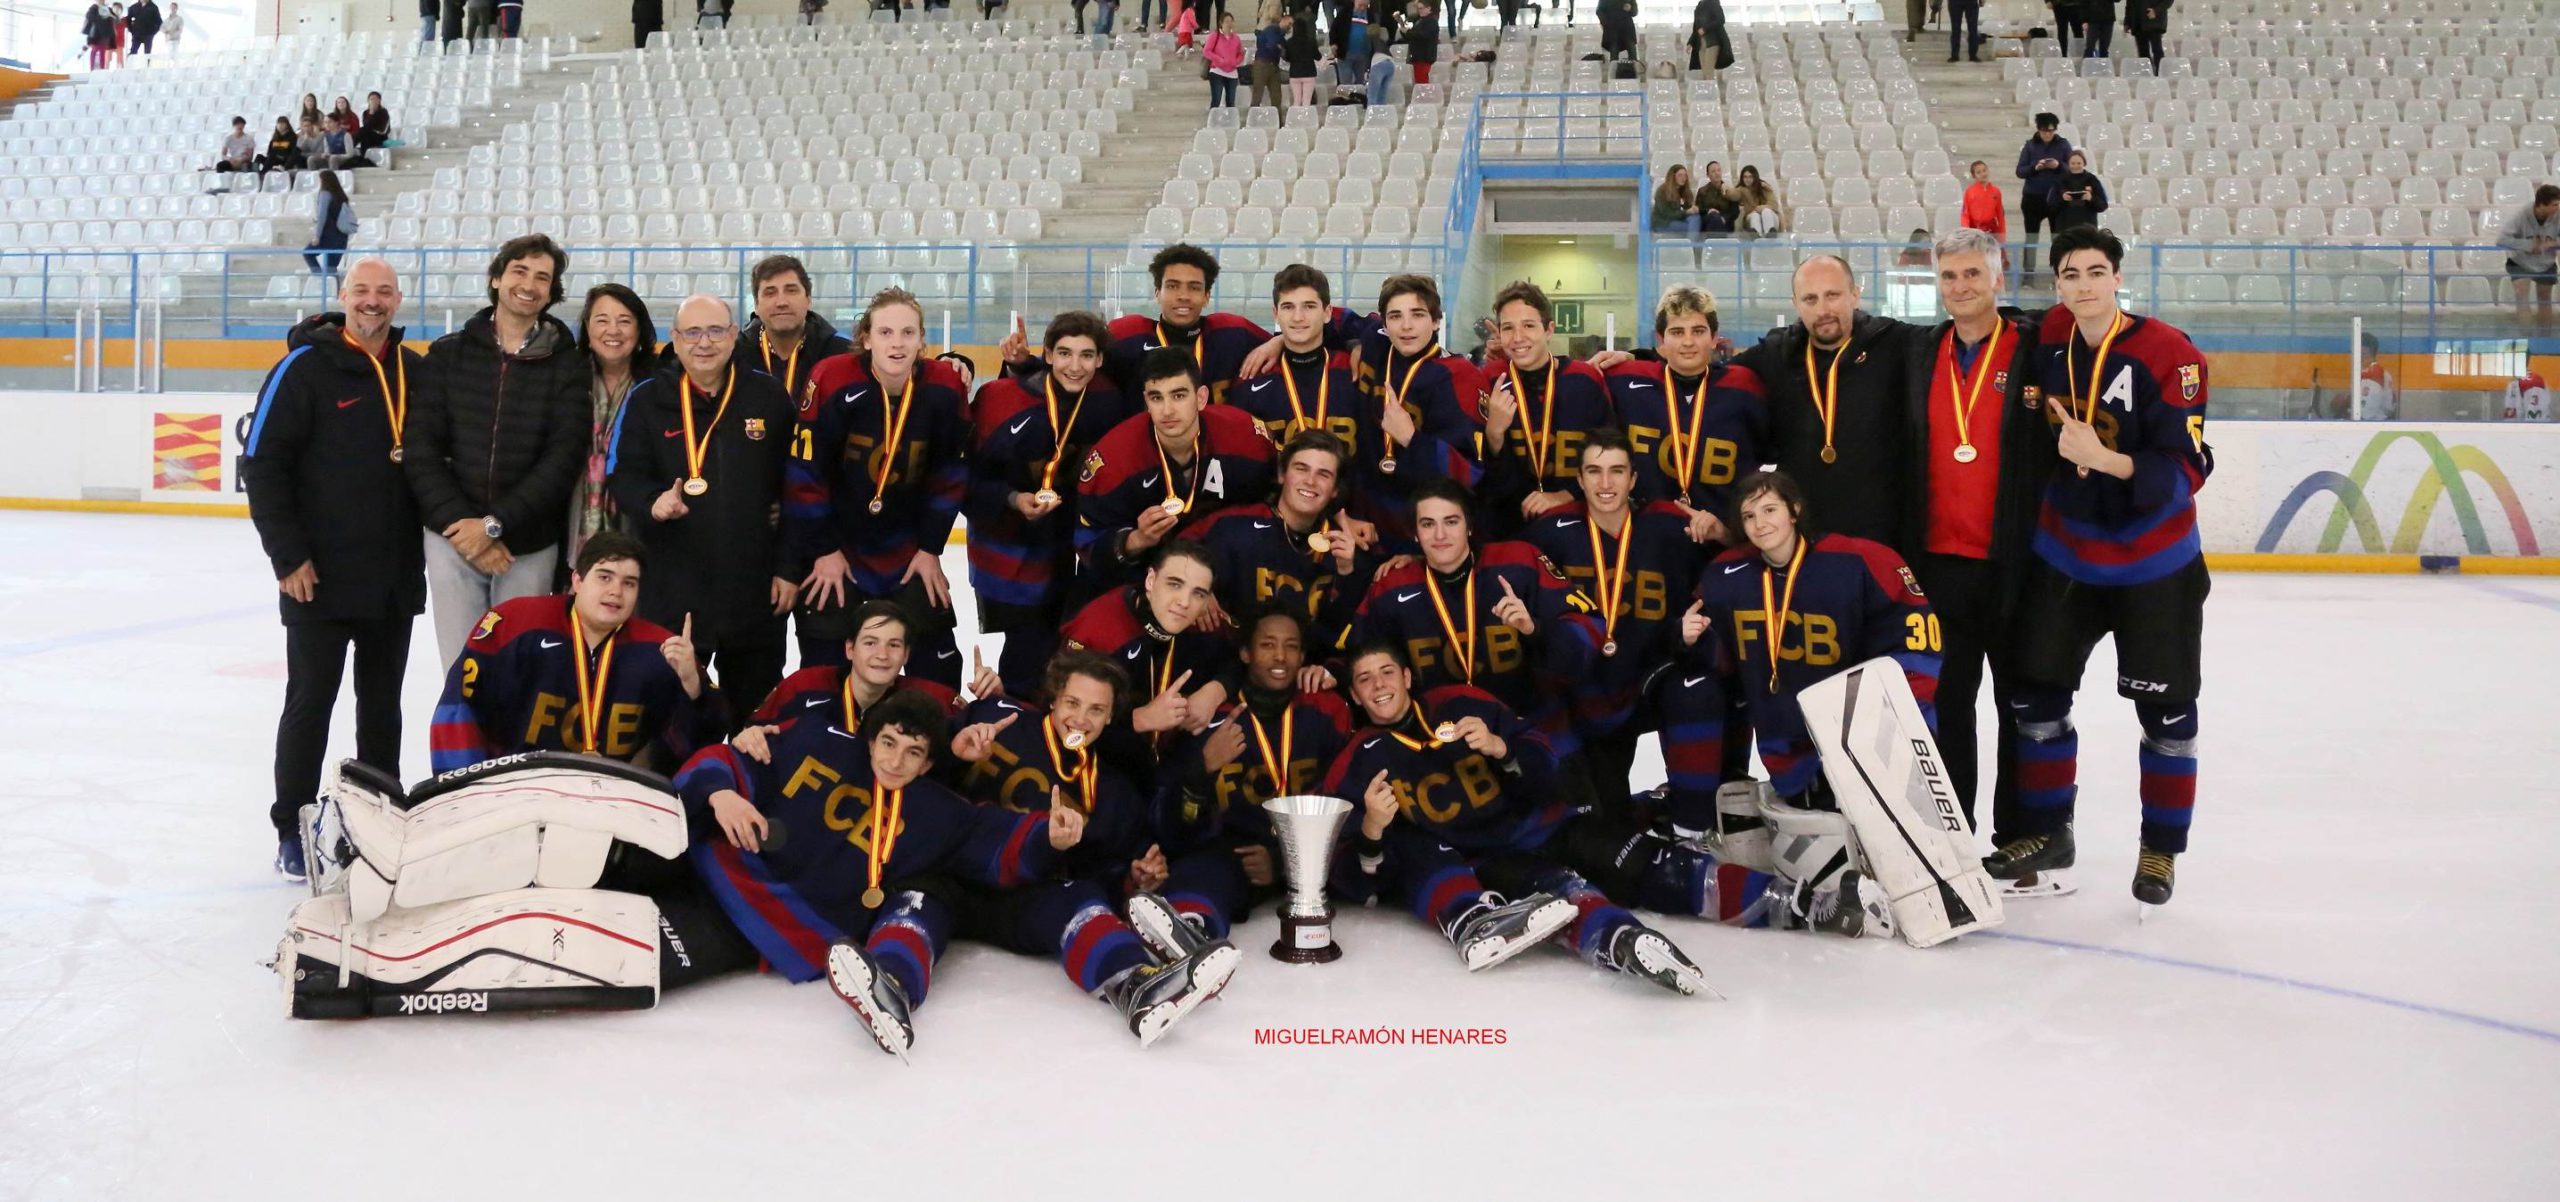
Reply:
x=716, y=562
x=501, y=434
x=322, y=487
x=1865, y=490
x=819, y=342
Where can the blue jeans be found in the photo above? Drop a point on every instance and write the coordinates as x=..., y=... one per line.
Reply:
x=1382, y=83
x=1102, y=15
x=426, y=29
x=1161, y=9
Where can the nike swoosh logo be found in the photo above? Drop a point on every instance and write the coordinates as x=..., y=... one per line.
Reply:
x=1730, y=569
x=1262, y=525
x=1016, y=428
x=673, y=433
x=857, y=394
x=1562, y=523
x=349, y=401
x=1135, y=652
x=1401, y=598
x=1150, y=481
x=952, y=654
x=548, y=644
x=1371, y=743
x=1632, y=385
x=2173, y=719
x=1691, y=682
x=839, y=732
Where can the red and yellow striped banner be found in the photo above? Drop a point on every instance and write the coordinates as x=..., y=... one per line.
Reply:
x=186, y=452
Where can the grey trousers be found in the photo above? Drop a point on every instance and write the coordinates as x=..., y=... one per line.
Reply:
x=457, y=593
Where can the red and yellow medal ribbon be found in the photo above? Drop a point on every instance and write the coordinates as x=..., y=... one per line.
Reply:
x=1397, y=397
x=591, y=685
x=890, y=434
x=1049, y=396
x=764, y=347
x=1086, y=775
x=1610, y=583
x=1277, y=763
x=1189, y=496
x=394, y=403
x=2097, y=370
x=1429, y=739
x=1826, y=395
x=887, y=808
x=1684, y=445
x=1961, y=399
x=852, y=712
x=1538, y=437
x=1324, y=395
x=1777, y=610
x=1199, y=356
x=698, y=448
x=1462, y=651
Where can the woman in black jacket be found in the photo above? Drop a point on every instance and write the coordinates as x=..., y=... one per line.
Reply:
x=1422, y=45
x=374, y=132
x=2148, y=22
x=284, y=149
x=2079, y=197
x=1300, y=47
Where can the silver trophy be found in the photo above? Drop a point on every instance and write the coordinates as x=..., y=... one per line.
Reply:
x=1306, y=826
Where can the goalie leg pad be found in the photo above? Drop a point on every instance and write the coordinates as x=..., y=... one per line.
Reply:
x=1891, y=785
x=527, y=949
x=1807, y=847
x=1742, y=830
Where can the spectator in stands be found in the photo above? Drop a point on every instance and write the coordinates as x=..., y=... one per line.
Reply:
x=1763, y=213
x=510, y=18
x=621, y=344
x=2040, y=164
x=1457, y=13
x=2066, y=22
x=1303, y=52
x=98, y=30
x=332, y=222
x=811, y=10
x=343, y=115
x=173, y=27
x=310, y=109
x=2532, y=240
x=310, y=145
x=2099, y=18
x=2079, y=197
x=284, y=153
x=432, y=11
x=115, y=17
x=1269, y=46
x=2148, y=22
x=339, y=151
x=1224, y=52
x=1984, y=209
x=239, y=151
x=1617, y=27
x=1155, y=9
x=1675, y=208
x=480, y=17
x=1964, y=29
x=1422, y=43
x=1717, y=206
x=1355, y=45
x=1915, y=16
x=1382, y=74
x=495, y=440
x=373, y=132
x=1706, y=28
x=142, y=21
x=1105, y=13
x=1185, y=23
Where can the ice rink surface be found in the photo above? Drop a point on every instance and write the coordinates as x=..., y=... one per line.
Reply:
x=2356, y=993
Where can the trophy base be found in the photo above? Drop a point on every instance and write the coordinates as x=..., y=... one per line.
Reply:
x=1306, y=939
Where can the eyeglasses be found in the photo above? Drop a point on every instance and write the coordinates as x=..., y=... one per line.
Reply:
x=705, y=333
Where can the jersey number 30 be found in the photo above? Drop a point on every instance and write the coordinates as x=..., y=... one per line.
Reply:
x=1924, y=632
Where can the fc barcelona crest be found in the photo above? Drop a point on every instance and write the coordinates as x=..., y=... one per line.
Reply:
x=488, y=626
x=2190, y=380
x=1092, y=464
x=755, y=429
x=1911, y=582
x=2032, y=397
x=2000, y=382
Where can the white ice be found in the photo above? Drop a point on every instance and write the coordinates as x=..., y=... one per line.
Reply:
x=2354, y=995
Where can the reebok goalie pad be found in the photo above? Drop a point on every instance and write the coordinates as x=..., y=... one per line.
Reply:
x=1893, y=788
x=528, y=949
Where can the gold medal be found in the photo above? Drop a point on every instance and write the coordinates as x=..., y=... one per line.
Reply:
x=1826, y=397
x=1965, y=452
x=395, y=403
x=872, y=897
x=1318, y=543
x=1830, y=455
x=697, y=447
x=1072, y=739
x=1387, y=466
x=1387, y=461
x=1046, y=496
x=1446, y=732
x=1609, y=648
x=695, y=486
x=1174, y=506
x=892, y=436
x=876, y=505
x=887, y=807
x=1961, y=401
x=1058, y=432
x=395, y=454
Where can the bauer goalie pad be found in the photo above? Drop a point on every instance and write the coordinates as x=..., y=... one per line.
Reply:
x=1885, y=772
x=543, y=818
x=528, y=949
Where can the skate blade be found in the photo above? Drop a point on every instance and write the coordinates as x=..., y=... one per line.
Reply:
x=2049, y=883
x=1658, y=965
x=1147, y=920
x=851, y=979
x=1543, y=923
x=1209, y=974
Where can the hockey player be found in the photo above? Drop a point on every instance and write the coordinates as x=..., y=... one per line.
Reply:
x=1151, y=630
x=579, y=672
x=1460, y=809
x=1630, y=560
x=1502, y=619
x=1022, y=512
x=875, y=667
x=1311, y=386
x=1181, y=458
x=1695, y=424
x=1429, y=404
x=1799, y=607
x=2119, y=555
x=1276, y=740
x=1540, y=410
x=786, y=340
x=699, y=452
x=1216, y=343
x=1297, y=552
x=877, y=478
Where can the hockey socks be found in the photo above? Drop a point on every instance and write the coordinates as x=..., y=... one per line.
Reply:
x=907, y=938
x=2168, y=774
x=1097, y=946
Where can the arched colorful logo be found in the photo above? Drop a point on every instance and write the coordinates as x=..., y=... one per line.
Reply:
x=2444, y=478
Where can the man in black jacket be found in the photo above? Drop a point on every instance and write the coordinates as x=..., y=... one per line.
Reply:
x=1840, y=420
x=503, y=424
x=1978, y=471
x=785, y=340
x=142, y=20
x=697, y=466
x=335, y=516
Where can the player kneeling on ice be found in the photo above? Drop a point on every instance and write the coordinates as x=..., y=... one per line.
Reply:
x=1858, y=830
x=1460, y=797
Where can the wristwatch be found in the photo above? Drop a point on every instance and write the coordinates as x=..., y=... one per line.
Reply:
x=492, y=527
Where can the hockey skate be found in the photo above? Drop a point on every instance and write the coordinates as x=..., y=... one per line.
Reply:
x=1163, y=929
x=1153, y=997
x=1853, y=906
x=290, y=864
x=1493, y=930
x=2052, y=882
x=873, y=994
x=2032, y=854
x=1641, y=951
x=2154, y=877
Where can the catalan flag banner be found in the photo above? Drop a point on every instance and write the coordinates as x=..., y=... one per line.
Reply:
x=186, y=452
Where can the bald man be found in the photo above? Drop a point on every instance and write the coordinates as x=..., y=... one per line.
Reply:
x=696, y=469
x=339, y=525
x=1842, y=419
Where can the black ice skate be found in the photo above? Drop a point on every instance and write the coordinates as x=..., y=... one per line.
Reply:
x=2035, y=853
x=873, y=994
x=289, y=860
x=1854, y=906
x=1153, y=997
x=1493, y=930
x=1640, y=950
x=1163, y=929
x=2154, y=876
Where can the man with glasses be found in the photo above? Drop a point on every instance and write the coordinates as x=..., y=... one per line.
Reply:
x=699, y=453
